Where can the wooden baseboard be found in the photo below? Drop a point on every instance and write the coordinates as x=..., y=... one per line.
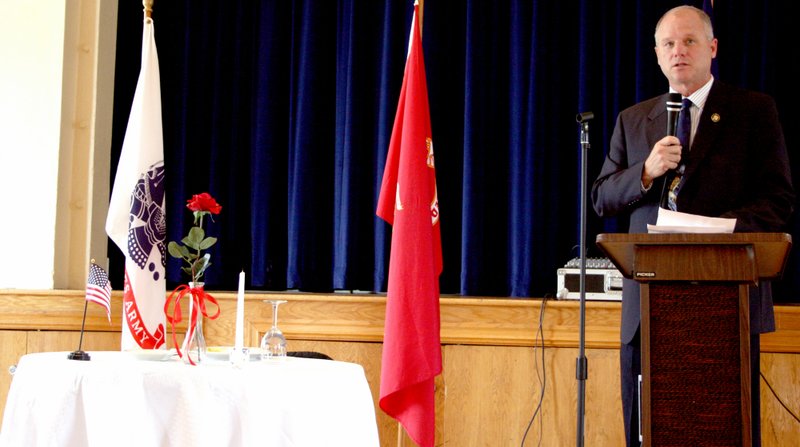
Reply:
x=352, y=317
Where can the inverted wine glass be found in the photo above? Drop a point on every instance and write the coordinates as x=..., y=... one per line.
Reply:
x=273, y=343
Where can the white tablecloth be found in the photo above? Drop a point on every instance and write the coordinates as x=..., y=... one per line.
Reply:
x=118, y=400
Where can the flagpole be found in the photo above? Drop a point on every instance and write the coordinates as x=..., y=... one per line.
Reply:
x=421, y=4
x=80, y=354
x=148, y=8
x=399, y=435
x=83, y=324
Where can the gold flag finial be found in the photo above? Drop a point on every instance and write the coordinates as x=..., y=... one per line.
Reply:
x=148, y=8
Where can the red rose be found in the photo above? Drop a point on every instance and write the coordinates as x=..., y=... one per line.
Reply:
x=203, y=202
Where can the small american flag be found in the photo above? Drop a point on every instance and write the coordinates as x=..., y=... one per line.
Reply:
x=98, y=288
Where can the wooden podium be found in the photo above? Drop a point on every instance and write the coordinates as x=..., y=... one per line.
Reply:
x=695, y=329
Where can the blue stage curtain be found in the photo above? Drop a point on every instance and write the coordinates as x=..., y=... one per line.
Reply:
x=283, y=111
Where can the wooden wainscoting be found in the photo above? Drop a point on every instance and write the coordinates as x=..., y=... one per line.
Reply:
x=494, y=368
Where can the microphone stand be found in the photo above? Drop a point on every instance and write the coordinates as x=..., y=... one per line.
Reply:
x=581, y=364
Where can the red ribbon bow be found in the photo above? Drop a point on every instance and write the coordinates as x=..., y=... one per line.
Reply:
x=199, y=296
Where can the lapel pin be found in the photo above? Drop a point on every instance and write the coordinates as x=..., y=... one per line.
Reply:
x=715, y=117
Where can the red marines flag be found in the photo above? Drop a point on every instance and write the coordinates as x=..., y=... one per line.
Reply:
x=136, y=221
x=412, y=355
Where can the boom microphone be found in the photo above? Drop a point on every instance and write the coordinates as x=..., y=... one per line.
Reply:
x=674, y=103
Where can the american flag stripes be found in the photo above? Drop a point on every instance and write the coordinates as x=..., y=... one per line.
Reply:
x=98, y=288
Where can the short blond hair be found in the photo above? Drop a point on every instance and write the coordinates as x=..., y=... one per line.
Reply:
x=700, y=13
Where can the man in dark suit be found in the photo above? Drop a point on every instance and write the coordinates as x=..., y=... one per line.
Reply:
x=736, y=166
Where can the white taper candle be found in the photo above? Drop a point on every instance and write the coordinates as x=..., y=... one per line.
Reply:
x=239, y=338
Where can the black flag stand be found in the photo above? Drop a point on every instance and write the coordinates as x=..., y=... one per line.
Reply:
x=581, y=364
x=79, y=354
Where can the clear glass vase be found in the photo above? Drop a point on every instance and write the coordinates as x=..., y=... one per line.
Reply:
x=194, y=347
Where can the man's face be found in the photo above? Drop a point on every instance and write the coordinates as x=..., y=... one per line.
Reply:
x=684, y=51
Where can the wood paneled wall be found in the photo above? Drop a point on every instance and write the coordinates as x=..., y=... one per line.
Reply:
x=494, y=367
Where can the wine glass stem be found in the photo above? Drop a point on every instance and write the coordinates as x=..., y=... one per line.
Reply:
x=274, y=315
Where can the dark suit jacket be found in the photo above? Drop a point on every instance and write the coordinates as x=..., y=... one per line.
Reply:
x=737, y=167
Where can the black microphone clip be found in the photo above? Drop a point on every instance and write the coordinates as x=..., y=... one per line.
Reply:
x=584, y=116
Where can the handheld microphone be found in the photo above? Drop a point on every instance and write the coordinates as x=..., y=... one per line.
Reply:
x=674, y=103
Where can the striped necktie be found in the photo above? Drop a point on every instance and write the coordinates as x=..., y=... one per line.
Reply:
x=684, y=135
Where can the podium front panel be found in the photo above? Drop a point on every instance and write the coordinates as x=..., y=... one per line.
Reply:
x=695, y=365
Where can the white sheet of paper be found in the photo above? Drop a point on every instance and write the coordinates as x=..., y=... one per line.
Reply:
x=675, y=222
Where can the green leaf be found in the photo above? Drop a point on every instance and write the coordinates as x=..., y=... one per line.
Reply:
x=186, y=253
x=200, y=265
x=208, y=242
x=187, y=270
x=188, y=242
x=175, y=250
x=196, y=235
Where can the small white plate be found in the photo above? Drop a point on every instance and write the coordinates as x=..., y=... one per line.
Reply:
x=152, y=355
x=222, y=353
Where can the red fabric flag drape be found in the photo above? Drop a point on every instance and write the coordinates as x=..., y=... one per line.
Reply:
x=412, y=355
